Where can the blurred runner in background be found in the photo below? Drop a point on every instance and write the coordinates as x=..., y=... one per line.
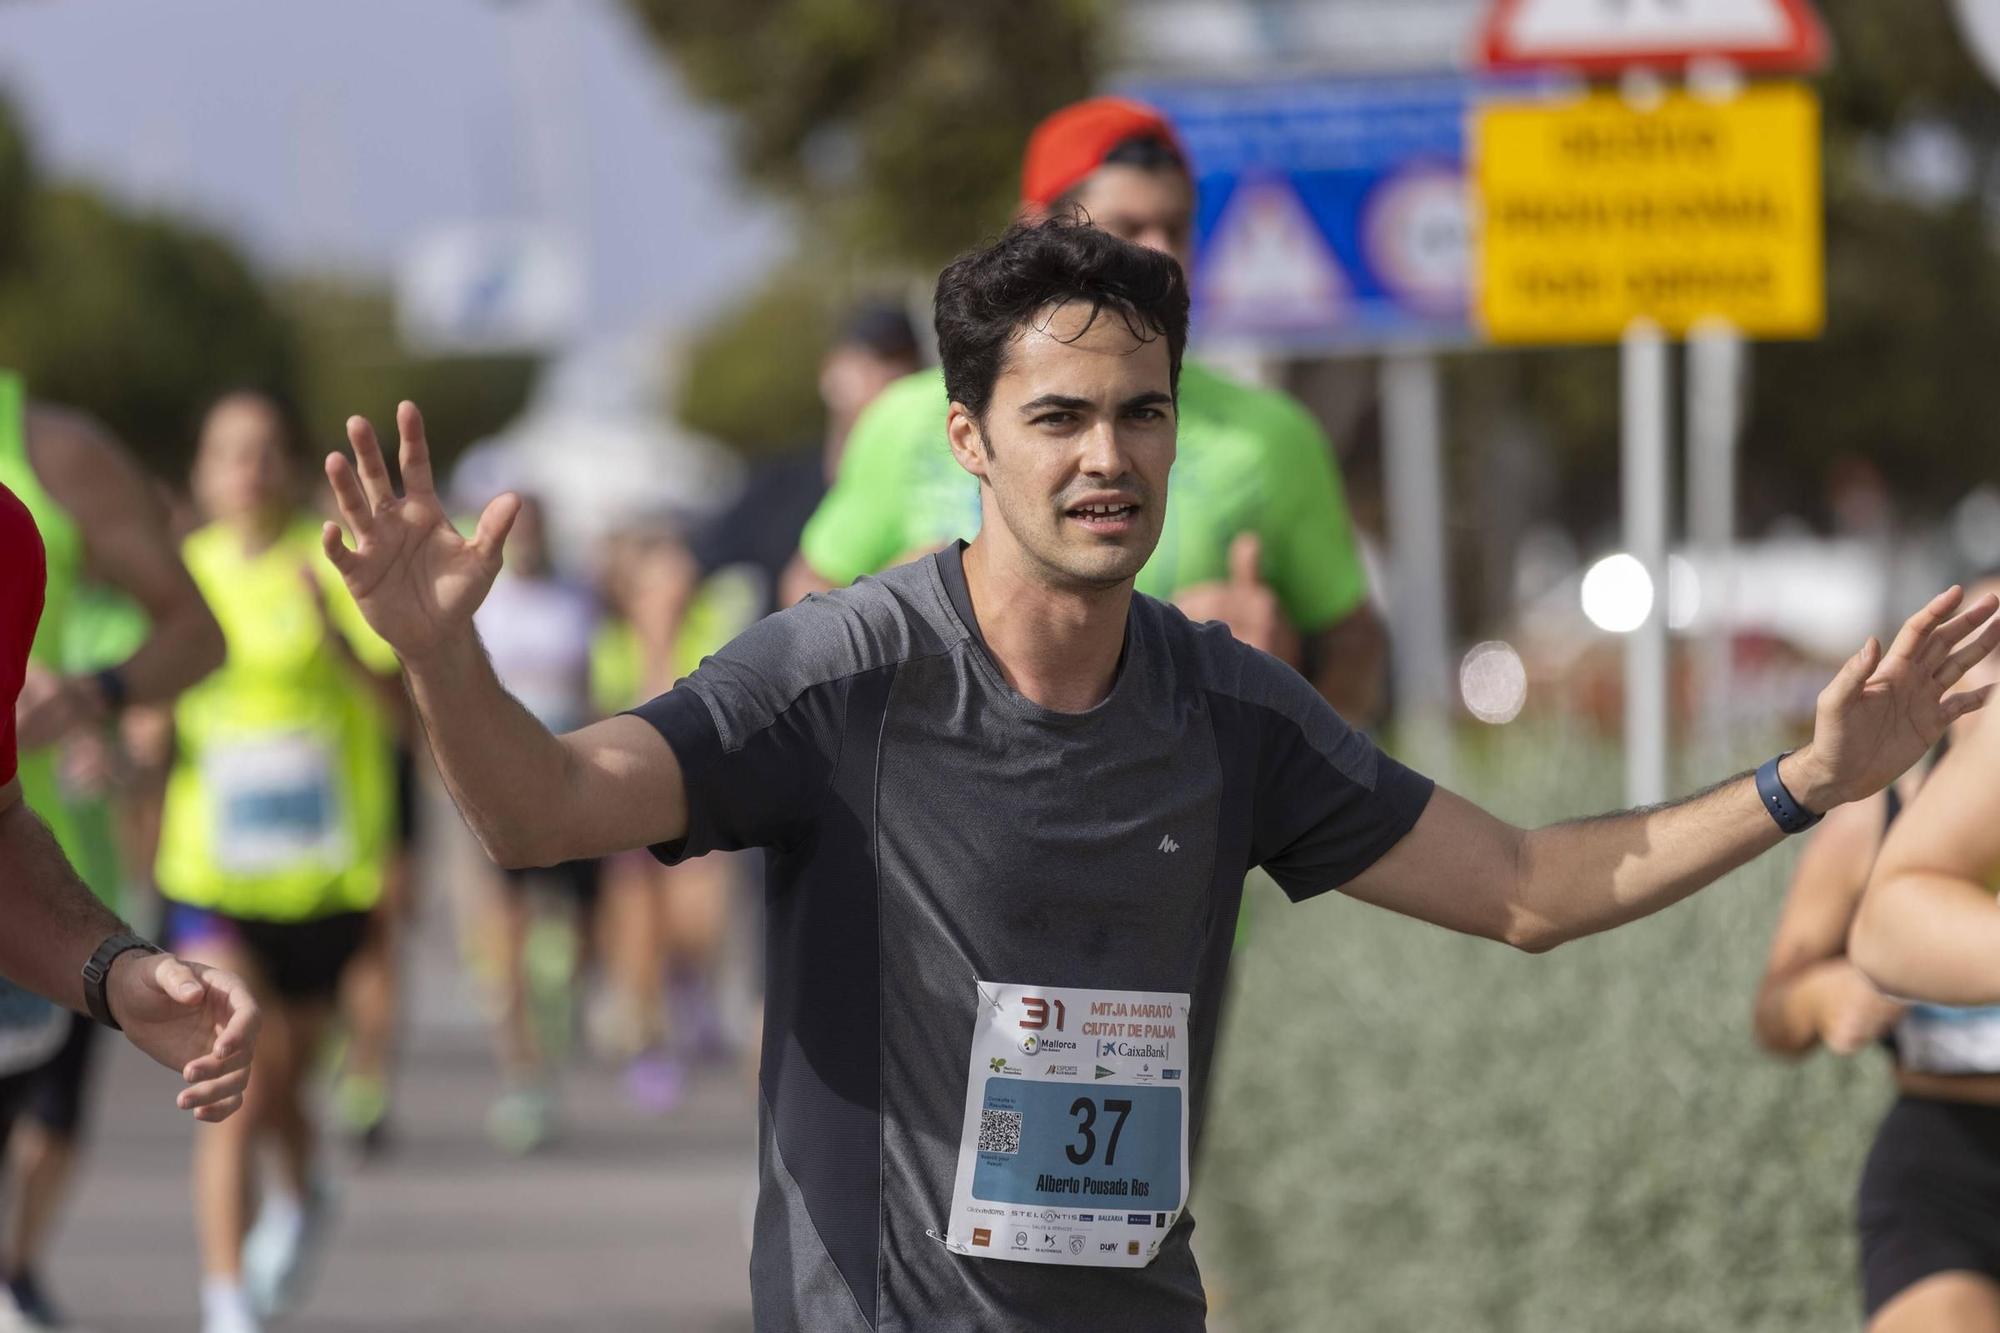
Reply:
x=738, y=567
x=96, y=509
x=277, y=827
x=1929, y=1206
x=538, y=628
x=1259, y=534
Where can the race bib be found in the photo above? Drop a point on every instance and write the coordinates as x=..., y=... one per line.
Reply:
x=1941, y=1039
x=275, y=805
x=1074, y=1148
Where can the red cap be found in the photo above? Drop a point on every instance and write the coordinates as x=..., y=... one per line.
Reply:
x=1074, y=142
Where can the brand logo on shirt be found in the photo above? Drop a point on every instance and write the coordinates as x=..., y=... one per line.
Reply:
x=1169, y=845
x=1102, y=1072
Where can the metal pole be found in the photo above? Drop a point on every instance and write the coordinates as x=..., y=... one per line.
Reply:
x=1643, y=481
x=1419, y=611
x=1714, y=398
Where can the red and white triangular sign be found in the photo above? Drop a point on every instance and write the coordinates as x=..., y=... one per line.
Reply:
x=1605, y=36
x=1267, y=267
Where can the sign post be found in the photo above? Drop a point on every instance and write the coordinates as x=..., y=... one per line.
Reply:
x=1602, y=220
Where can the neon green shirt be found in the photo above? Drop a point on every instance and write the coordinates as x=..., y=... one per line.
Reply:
x=81, y=824
x=1250, y=460
x=280, y=806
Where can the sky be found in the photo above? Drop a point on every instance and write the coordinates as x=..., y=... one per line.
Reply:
x=334, y=135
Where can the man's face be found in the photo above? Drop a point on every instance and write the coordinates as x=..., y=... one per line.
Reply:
x=1150, y=208
x=1076, y=446
x=241, y=467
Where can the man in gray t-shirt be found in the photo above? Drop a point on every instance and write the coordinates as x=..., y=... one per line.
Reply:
x=1009, y=806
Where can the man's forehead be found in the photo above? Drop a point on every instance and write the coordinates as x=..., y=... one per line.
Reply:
x=1071, y=349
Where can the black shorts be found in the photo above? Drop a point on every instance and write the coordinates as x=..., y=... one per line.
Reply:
x=1930, y=1197
x=300, y=960
x=574, y=880
x=57, y=1090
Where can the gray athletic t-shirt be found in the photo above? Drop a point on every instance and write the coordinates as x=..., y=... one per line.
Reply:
x=928, y=827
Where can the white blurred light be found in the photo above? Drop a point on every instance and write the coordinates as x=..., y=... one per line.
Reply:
x=1683, y=592
x=1493, y=681
x=1617, y=593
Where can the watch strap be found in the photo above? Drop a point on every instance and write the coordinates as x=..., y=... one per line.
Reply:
x=1782, y=806
x=97, y=972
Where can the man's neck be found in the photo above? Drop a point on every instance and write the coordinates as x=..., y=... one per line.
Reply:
x=1058, y=646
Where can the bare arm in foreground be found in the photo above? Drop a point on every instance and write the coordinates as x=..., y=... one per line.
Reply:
x=1929, y=928
x=197, y=1020
x=1467, y=870
x=531, y=797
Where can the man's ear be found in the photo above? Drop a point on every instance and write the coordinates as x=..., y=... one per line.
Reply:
x=968, y=442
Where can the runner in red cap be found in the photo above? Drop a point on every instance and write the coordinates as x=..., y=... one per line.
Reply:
x=60, y=942
x=1259, y=537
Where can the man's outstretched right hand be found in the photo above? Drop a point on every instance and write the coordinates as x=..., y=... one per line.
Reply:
x=415, y=579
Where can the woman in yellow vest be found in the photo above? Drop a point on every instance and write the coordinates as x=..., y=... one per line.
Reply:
x=278, y=821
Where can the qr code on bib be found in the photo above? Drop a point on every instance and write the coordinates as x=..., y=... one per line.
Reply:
x=999, y=1131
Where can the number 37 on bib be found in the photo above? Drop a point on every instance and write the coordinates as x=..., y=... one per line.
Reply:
x=1074, y=1148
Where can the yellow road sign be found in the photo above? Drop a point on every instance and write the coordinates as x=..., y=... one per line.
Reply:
x=1594, y=214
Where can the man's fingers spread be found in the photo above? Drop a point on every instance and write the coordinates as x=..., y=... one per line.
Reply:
x=335, y=546
x=495, y=522
x=1966, y=701
x=1910, y=639
x=1960, y=625
x=1970, y=655
x=348, y=496
x=368, y=461
x=416, y=450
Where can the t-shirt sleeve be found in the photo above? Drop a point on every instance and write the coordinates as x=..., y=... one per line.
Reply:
x=23, y=581
x=757, y=731
x=1328, y=803
x=1311, y=556
x=860, y=527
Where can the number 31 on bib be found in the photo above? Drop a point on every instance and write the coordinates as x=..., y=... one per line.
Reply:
x=1074, y=1148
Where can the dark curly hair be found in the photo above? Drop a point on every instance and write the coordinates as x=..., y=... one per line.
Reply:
x=986, y=297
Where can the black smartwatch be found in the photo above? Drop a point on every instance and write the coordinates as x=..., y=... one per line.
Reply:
x=1784, y=808
x=98, y=970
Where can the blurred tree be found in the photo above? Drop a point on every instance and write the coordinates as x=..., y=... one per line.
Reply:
x=896, y=124
x=17, y=182
x=751, y=379
x=895, y=128
x=138, y=318
x=351, y=361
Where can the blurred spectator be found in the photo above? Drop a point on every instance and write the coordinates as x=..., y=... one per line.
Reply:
x=538, y=629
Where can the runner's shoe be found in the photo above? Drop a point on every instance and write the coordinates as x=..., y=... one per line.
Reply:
x=656, y=1082
x=28, y=1302
x=225, y=1308
x=361, y=1105
x=521, y=1121
x=282, y=1253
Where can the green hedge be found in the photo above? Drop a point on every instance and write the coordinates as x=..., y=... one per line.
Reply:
x=1417, y=1132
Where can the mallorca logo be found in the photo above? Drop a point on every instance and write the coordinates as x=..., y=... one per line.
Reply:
x=1030, y=1044
x=1051, y=1045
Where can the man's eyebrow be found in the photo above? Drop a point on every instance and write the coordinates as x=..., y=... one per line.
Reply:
x=1054, y=400
x=1151, y=398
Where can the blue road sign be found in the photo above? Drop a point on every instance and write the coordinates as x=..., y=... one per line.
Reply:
x=1333, y=213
